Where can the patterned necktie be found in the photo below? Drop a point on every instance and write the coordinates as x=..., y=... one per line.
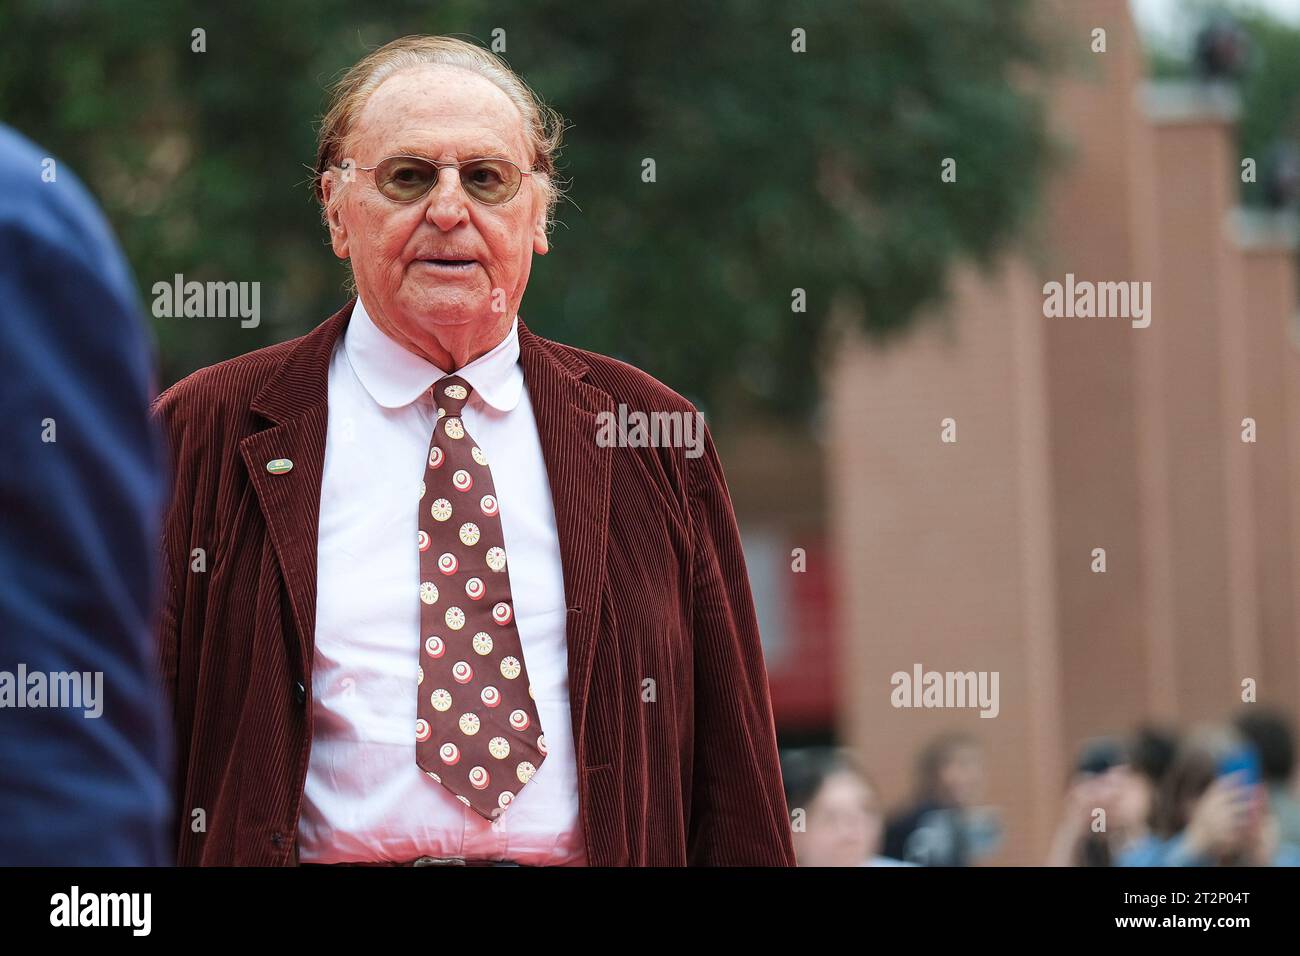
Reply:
x=478, y=733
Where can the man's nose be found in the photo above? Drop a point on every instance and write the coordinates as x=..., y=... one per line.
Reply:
x=447, y=206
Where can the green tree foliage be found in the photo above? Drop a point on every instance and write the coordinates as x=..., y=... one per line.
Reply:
x=775, y=169
x=1269, y=87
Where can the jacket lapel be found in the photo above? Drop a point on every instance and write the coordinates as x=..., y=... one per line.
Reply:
x=295, y=401
x=579, y=473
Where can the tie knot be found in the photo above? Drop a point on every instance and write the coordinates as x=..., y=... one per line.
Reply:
x=451, y=393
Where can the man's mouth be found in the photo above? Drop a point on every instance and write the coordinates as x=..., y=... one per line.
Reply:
x=453, y=263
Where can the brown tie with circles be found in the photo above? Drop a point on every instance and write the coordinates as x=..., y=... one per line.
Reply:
x=477, y=732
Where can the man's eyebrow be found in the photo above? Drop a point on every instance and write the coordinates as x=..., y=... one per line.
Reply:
x=477, y=151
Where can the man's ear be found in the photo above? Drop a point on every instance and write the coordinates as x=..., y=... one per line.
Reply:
x=541, y=244
x=331, y=188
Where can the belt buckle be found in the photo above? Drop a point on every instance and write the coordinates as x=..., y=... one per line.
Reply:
x=438, y=861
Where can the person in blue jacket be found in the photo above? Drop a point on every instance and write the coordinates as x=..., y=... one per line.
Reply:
x=84, y=747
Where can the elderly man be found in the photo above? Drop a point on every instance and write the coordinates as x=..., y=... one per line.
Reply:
x=416, y=611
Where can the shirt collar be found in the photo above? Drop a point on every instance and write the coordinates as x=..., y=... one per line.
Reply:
x=395, y=377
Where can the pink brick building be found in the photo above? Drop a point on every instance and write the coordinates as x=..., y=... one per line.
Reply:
x=1074, y=436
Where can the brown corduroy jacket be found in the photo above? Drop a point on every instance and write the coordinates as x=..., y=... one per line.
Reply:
x=654, y=581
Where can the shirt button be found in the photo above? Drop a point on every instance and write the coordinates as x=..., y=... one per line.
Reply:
x=300, y=693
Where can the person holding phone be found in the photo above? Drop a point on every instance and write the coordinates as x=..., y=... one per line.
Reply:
x=1213, y=809
x=1108, y=787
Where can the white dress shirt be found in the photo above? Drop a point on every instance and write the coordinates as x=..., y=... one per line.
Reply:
x=366, y=799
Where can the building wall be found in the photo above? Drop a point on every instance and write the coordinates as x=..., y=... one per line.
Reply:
x=1269, y=264
x=943, y=549
x=1098, y=229
x=1076, y=434
x=1207, y=495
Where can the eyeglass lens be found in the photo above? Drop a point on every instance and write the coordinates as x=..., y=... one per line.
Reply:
x=406, y=179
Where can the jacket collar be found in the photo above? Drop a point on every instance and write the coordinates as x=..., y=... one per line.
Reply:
x=567, y=408
x=301, y=382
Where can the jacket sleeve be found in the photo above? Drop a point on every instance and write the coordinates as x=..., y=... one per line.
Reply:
x=738, y=809
x=174, y=559
x=170, y=543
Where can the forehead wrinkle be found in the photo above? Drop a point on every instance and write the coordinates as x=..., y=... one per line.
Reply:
x=482, y=143
x=392, y=97
x=478, y=151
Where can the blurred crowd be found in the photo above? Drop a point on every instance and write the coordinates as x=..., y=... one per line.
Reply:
x=1220, y=794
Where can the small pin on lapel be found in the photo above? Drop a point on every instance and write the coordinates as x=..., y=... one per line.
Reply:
x=278, y=466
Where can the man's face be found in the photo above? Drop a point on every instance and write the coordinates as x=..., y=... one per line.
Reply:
x=443, y=114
